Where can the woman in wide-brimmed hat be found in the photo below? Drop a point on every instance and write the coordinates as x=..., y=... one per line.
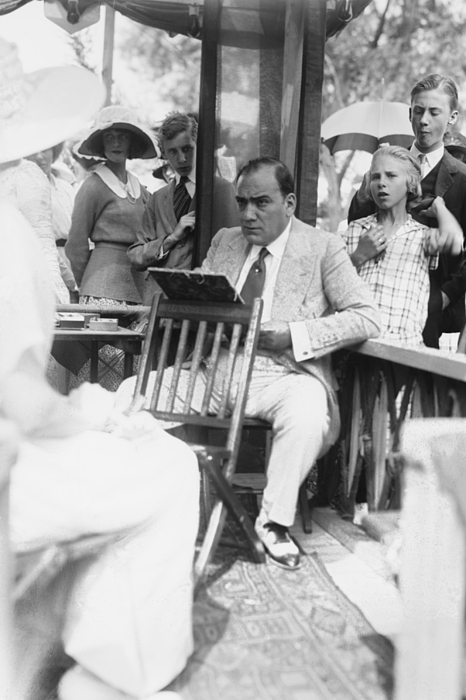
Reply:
x=108, y=209
x=106, y=217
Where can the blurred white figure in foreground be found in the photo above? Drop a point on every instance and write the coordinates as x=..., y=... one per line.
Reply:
x=84, y=468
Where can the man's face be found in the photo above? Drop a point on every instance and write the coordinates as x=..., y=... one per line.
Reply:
x=180, y=152
x=430, y=114
x=264, y=211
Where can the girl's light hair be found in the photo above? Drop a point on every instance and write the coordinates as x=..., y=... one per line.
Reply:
x=410, y=165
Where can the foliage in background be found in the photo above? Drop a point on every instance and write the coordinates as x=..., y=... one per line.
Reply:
x=170, y=65
x=381, y=55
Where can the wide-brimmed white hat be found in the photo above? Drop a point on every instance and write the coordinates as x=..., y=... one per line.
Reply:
x=40, y=109
x=118, y=117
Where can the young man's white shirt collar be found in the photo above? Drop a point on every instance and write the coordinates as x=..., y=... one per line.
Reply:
x=190, y=184
x=431, y=158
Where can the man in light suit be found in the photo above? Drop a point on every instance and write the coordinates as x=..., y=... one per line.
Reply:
x=166, y=236
x=434, y=110
x=314, y=304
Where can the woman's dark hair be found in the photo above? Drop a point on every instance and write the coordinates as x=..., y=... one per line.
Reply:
x=137, y=146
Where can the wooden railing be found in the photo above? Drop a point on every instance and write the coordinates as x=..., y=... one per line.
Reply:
x=383, y=384
x=403, y=428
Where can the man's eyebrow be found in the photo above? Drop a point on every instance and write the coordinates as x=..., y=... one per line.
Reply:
x=252, y=199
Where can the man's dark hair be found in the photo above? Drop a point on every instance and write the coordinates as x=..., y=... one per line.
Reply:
x=175, y=123
x=282, y=175
x=435, y=81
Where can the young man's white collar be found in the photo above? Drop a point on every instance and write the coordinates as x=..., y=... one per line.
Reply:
x=191, y=184
x=432, y=158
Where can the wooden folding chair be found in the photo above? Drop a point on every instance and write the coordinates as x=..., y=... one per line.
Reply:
x=221, y=330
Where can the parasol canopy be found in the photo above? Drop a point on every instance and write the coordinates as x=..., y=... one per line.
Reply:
x=364, y=126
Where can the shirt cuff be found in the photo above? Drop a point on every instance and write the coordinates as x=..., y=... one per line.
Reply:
x=161, y=254
x=300, y=341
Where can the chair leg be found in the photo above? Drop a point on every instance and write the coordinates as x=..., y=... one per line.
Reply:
x=306, y=512
x=206, y=496
x=234, y=505
x=209, y=544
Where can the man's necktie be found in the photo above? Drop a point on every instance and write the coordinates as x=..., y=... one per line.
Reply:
x=422, y=158
x=254, y=282
x=181, y=199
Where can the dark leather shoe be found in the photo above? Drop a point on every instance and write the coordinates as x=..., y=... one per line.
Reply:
x=280, y=547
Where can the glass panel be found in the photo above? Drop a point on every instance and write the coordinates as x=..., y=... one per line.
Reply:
x=249, y=83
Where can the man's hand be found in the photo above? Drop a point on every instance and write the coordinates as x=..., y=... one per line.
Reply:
x=371, y=244
x=450, y=236
x=274, y=335
x=184, y=226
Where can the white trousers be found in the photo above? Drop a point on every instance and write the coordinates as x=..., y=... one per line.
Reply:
x=129, y=617
x=297, y=407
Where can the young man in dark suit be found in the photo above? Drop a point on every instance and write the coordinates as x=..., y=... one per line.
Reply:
x=434, y=109
x=166, y=237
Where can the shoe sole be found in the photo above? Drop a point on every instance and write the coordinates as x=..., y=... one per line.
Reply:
x=282, y=566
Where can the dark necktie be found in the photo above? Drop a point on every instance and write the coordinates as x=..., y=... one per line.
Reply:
x=254, y=282
x=181, y=198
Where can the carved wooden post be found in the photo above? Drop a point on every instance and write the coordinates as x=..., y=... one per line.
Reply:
x=432, y=578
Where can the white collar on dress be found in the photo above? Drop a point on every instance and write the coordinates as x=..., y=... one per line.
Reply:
x=132, y=189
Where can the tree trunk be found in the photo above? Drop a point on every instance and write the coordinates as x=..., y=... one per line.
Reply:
x=335, y=211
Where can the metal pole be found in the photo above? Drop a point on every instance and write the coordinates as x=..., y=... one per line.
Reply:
x=107, y=62
x=309, y=121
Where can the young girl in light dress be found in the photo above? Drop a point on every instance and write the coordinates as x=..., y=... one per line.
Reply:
x=393, y=252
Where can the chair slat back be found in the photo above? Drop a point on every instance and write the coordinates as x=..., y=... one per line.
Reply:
x=215, y=338
x=214, y=357
x=195, y=364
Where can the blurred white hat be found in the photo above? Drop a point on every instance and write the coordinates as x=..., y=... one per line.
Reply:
x=40, y=109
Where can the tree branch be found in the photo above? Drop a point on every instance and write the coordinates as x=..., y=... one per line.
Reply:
x=346, y=163
x=375, y=41
x=336, y=81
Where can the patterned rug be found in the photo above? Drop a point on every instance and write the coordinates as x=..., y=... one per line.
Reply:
x=264, y=633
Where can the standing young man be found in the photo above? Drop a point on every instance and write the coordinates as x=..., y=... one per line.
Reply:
x=434, y=109
x=166, y=237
